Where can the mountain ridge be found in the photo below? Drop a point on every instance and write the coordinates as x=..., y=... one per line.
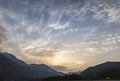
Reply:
x=16, y=69
x=99, y=70
x=103, y=71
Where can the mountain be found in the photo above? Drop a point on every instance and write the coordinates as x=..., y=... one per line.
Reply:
x=15, y=69
x=43, y=70
x=12, y=68
x=104, y=71
x=108, y=70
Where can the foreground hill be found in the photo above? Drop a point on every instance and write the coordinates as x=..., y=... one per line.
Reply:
x=15, y=69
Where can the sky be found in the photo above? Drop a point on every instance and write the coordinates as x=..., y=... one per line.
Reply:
x=67, y=35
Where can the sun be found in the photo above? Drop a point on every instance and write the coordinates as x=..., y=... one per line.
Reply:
x=58, y=59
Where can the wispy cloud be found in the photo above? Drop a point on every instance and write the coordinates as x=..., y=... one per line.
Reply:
x=107, y=11
x=60, y=26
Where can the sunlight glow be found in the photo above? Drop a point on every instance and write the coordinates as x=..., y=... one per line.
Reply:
x=58, y=59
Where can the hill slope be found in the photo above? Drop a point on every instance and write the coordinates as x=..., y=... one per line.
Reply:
x=15, y=69
x=108, y=70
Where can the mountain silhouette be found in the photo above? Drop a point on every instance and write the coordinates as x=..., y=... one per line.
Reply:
x=108, y=70
x=15, y=69
x=104, y=71
x=11, y=68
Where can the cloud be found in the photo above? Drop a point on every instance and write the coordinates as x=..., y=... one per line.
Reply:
x=70, y=66
x=89, y=42
x=41, y=52
x=23, y=33
x=111, y=42
x=60, y=68
x=107, y=11
x=2, y=39
x=70, y=30
x=82, y=43
x=92, y=50
x=60, y=26
x=66, y=69
x=2, y=30
x=38, y=55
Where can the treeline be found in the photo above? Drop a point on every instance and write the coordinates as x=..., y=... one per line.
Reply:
x=65, y=77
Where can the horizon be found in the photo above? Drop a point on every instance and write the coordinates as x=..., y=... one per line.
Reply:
x=52, y=67
x=68, y=35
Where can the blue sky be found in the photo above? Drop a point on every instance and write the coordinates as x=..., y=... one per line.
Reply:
x=68, y=35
